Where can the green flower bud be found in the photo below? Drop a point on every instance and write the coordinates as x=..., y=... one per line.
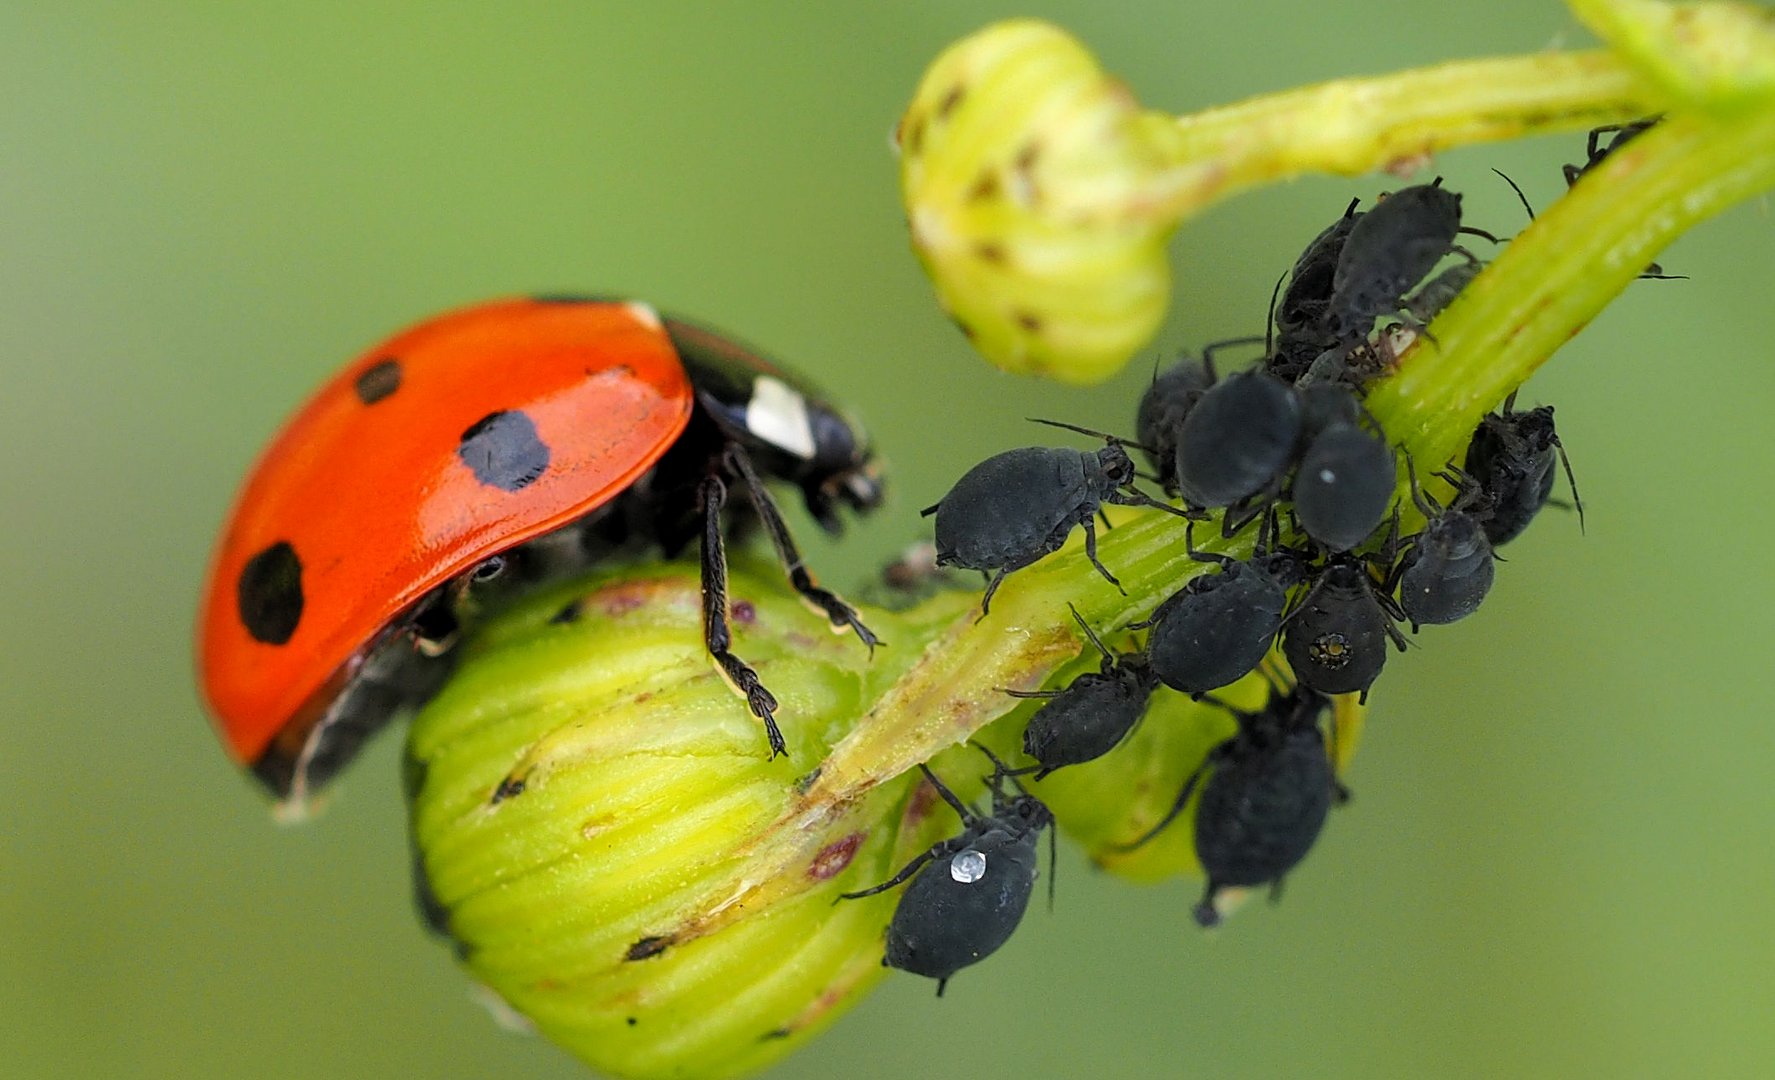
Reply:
x=591, y=806
x=1033, y=184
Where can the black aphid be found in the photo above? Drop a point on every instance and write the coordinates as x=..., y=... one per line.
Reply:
x=1268, y=791
x=1336, y=637
x=1300, y=319
x=971, y=890
x=1220, y=626
x=1168, y=400
x=1238, y=440
x=1345, y=479
x=1013, y=508
x=1448, y=567
x=1511, y=458
x=1390, y=250
x=1092, y=714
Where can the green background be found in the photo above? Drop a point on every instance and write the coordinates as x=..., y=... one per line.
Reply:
x=1559, y=860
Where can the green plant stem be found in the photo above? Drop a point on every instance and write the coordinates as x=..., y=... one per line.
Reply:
x=1550, y=281
x=1540, y=292
x=1352, y=126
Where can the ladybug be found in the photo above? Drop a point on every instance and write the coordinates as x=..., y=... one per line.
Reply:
x=504, y=442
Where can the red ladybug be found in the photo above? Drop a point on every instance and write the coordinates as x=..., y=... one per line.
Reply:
x=508, y=440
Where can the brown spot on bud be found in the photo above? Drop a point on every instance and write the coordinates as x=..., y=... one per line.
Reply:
x=950, y=101
x=834, y=857
x=647, y=948
x=743, y=612
x=914, y=140
x=991, y=253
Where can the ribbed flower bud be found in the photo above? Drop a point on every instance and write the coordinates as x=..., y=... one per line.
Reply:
x=1033, y=184
x=598, y=823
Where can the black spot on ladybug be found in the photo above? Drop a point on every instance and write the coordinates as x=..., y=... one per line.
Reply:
x=270, y=594
x=647, y=948
x=378, y=381
x=504, y=451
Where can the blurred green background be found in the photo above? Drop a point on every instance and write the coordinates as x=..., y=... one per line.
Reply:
x=1560, y=856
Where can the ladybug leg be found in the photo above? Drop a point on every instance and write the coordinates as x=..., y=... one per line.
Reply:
x=838, y=614
x=716, y=636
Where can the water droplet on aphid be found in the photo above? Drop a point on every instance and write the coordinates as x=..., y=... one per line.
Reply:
x=968, y=867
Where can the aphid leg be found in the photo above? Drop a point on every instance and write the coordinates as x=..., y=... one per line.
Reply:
x=1031, y=693
x=1426, y=505
x=716, y=637
x=1183, y=797
x=1189, y=545
x=962, y=810
x=1091, y=553
x=838, y=614
x=905, y=872
x=1276, y=891
x=1206, y=914
x=941, y=983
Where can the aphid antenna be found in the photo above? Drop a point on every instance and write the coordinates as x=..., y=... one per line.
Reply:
x=1572, y=481
x=1520, y=197
x=1116, y=440
x=1269, y=329
x=1109, y=657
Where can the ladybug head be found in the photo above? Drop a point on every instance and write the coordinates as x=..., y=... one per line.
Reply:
x=843, y=470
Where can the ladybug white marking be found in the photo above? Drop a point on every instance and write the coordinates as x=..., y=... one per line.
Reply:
x=778, y=415
x=644, y=313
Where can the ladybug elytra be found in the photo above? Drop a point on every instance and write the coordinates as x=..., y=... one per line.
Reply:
x=505, y=441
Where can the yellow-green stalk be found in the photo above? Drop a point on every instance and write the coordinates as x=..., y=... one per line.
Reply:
x=1040, y=194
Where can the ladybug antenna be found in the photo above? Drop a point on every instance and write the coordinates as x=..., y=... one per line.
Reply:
x=1104, y=435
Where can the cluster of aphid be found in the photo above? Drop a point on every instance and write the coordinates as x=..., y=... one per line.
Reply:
x=1286, y=446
